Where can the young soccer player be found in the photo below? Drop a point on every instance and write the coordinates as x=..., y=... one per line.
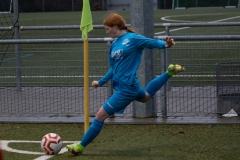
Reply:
x=125, y=58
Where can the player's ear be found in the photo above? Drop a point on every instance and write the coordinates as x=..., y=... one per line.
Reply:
x=115, y=26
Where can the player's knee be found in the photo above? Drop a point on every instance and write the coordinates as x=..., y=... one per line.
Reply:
x=102, y=115
x=146, y=98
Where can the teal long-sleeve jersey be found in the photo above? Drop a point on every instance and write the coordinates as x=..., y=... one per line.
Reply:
x=125, y=58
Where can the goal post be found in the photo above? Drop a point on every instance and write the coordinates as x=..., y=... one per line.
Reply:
x=6, y=6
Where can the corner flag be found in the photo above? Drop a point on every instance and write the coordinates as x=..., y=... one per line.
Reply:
x=85, y=27
x=86, y=20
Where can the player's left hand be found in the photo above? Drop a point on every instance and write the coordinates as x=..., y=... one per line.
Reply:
x=95, y=84
x=169, y=42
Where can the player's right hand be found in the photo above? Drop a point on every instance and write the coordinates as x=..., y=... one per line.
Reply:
x=169, y=42
x=95, y=84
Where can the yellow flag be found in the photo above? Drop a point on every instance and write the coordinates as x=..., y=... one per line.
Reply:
x=86, y=20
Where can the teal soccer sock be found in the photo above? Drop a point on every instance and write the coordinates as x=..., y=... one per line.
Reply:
x=92, y=132
x=154, y=85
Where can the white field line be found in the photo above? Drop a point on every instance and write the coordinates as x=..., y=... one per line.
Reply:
x=43, y=156
x=166, y=19
x=186, y=15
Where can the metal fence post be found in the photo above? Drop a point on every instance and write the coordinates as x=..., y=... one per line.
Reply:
x=17, y=46
x=163, y=91
x=43, y=5
x=167, y=58
x=73, y=5
x=142, y=20
x=109, y=86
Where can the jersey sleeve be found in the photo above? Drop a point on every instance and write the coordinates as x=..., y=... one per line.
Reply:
x=144, y=42
x=106, y=78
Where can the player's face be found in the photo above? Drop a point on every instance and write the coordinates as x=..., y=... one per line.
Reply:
x=112, y=31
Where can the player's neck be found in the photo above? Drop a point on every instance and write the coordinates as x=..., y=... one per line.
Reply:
x=122, y=32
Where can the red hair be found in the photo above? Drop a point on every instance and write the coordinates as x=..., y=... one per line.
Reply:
x=114, y=19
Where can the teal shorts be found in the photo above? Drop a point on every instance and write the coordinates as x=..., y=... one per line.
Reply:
x=121, y=99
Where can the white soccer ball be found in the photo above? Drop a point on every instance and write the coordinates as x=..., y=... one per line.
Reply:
x=51, y=143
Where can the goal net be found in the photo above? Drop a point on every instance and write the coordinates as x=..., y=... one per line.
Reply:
x=6, y=23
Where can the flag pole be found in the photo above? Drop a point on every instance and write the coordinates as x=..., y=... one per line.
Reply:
x=85, y=27
x=86, y=86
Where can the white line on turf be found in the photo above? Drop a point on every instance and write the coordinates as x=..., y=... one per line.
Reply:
x=45, y=157
x=186, y=15
x=165, y=18
x=4, y=146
